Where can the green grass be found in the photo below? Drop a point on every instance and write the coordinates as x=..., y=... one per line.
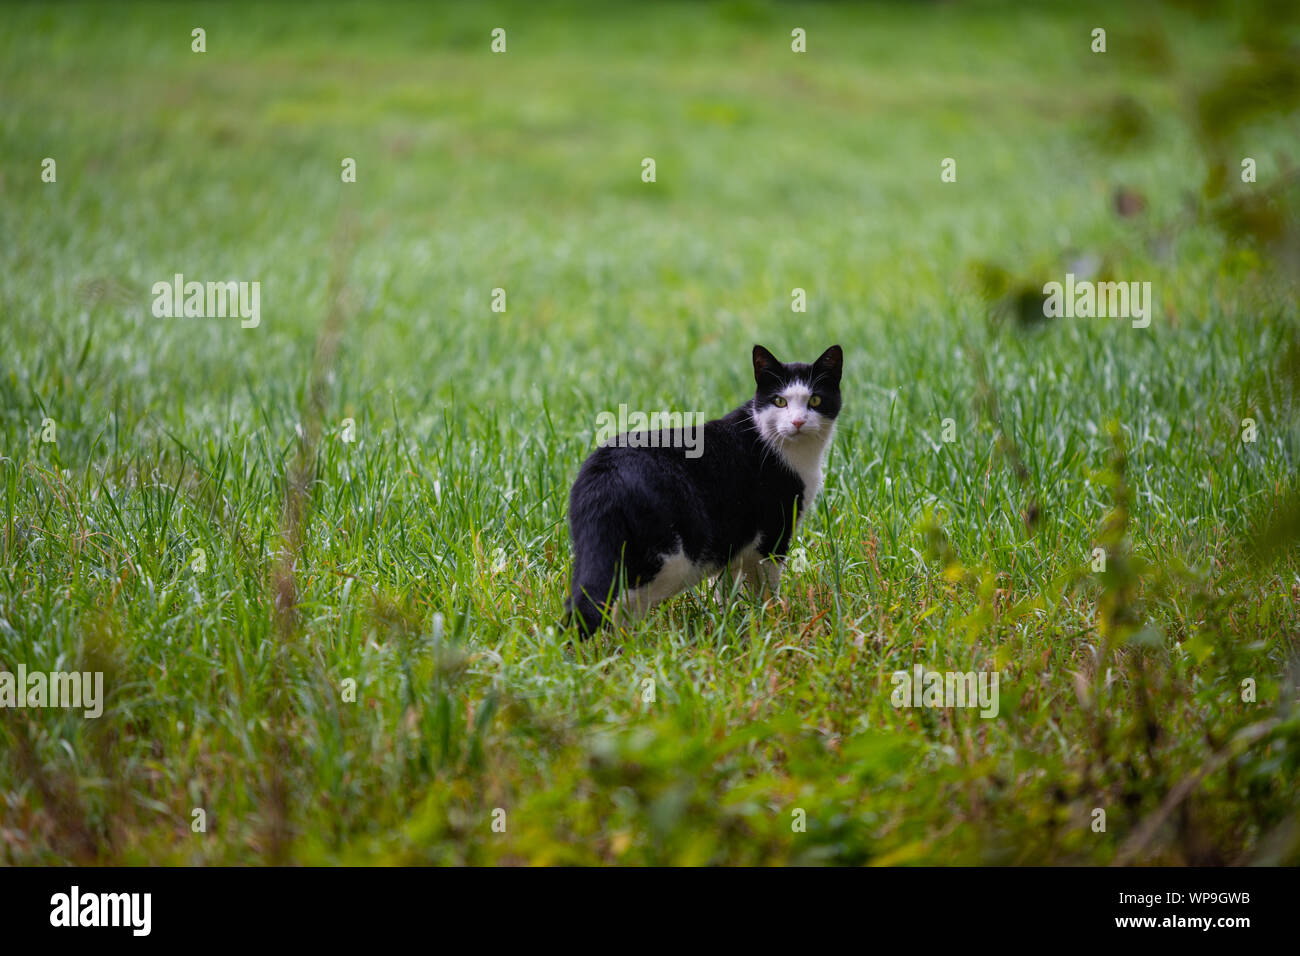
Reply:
x=522, y=171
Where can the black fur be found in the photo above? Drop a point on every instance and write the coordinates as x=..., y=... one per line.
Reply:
x=629, y=506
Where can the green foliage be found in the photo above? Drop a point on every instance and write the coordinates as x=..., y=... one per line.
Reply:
x=428, y=559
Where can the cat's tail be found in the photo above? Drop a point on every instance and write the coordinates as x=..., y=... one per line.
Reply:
x=583, y=611
x=595, y=583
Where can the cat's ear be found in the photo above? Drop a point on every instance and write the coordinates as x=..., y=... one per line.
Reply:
x=831, y=363
x=765, y=363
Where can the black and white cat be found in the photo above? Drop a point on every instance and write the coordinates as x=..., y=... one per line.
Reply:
x=658, y=521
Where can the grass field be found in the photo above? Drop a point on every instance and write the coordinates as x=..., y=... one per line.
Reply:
x=427, y=559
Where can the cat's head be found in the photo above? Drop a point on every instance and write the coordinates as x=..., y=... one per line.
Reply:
x=795, y=402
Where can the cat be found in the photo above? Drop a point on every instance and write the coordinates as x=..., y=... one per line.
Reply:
x=659, y=518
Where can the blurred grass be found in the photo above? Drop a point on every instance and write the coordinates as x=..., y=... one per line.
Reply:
x=522, y=171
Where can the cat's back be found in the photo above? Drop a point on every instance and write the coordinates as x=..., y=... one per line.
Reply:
x=717, y=448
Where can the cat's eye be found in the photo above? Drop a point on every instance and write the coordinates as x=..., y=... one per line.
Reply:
x=779, y=402
x=814, y=401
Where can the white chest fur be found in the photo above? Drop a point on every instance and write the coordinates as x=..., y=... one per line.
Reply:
x=806, y=457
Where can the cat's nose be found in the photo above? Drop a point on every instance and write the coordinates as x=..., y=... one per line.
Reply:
x=797, y=423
